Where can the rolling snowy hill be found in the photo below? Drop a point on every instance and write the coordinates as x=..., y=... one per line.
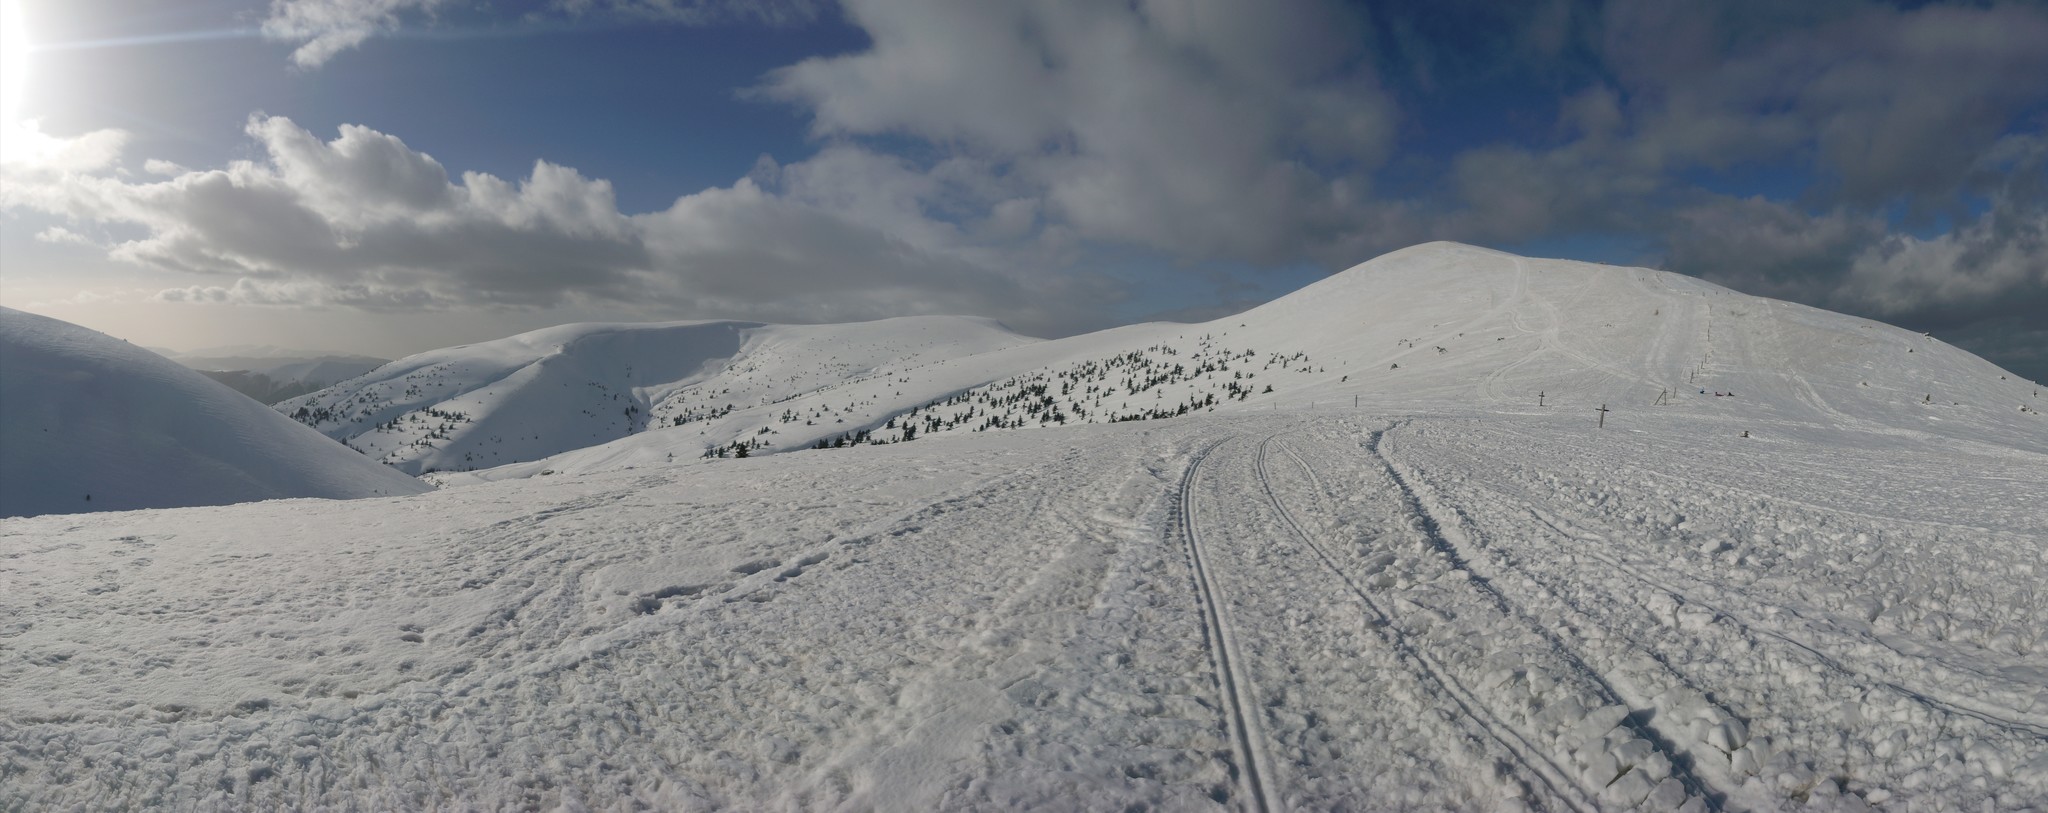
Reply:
x=1440, y=326
x=91, y=423
x=563, y=388
x=1373, y=587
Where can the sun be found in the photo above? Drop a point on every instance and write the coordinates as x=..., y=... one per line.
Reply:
x=21, y=142
x=14, y=48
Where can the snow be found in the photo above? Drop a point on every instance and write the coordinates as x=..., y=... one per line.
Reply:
x=91, y=423
x=563, y=388
x=1437, y=326
x=1444, y=597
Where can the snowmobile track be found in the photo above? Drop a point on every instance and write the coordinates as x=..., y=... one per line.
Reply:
x=1520, y=749
x=1222, y=640
x=1813, y=647
x=1439, y=535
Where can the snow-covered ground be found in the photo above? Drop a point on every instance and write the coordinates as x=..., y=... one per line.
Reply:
x=92, y=423
x=1296, y=611
x=1821, y=592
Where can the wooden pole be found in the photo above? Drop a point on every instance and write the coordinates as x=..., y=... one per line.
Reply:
x=1603, y=416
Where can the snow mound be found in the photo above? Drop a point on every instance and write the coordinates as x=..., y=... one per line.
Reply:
x=92, y=423
x=573, y=386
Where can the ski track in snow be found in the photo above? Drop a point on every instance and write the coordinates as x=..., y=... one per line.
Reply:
x=1287, y=612
x=1824, y=595
x=1221, y=639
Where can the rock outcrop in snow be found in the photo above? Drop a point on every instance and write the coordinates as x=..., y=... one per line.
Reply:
x=91, y=423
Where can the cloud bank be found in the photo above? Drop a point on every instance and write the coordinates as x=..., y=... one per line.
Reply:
x=974, y=157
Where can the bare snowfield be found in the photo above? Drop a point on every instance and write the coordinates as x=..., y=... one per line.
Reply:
x=1819, y=593
x=1301, y=611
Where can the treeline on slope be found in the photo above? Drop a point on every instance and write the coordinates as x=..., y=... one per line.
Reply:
x=1108, y=390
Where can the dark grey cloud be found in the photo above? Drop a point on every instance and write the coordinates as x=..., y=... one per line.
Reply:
x=1983, y=283
x=1205, y=130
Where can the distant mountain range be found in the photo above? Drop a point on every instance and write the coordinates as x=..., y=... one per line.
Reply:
x=272, y=374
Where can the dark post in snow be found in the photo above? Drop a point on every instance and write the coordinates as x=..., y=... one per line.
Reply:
x=1603, y=416
x=1539, y=399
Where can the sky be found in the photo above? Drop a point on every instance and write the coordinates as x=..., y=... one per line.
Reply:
x=390, y=176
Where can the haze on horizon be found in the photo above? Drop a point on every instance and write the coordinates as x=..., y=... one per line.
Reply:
x=391, y=176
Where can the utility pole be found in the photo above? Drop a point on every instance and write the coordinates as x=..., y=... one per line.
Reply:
x=1354, y=402
x=1539, y=399
x=1603, y=416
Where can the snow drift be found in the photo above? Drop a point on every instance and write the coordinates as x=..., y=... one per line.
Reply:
x=92, y=423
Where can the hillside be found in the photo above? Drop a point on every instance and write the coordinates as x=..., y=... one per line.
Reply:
x=1441, y=326
x=563, y=388
x=1393, y=581
x=91, y=423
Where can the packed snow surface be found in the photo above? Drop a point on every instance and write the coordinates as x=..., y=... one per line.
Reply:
x=1819, y=593
x=91, y=423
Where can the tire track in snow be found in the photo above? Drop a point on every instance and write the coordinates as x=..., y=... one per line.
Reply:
x=1426, y=667
x=1445, y=537
x=1222, y=640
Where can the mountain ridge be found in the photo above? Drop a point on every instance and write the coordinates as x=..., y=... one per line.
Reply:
x=1438, y=326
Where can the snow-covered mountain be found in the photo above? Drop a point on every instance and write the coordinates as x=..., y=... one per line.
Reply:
x=1415, y=574
x=563, y=388
x=91, y=423
x=1440, y=326
x=272, y=374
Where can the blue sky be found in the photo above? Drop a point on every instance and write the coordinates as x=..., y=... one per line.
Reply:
x=386, y=176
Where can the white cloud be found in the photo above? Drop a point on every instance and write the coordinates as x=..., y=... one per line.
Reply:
x=25, y=150
x=60, y=235
x=323, y=29
x=365, y=221
x=1208, y=130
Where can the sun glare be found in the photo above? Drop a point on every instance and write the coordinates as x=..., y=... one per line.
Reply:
x=14, y=49
x=20, y=141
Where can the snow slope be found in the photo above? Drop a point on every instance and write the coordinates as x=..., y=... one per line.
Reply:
x=572, y=386
x=1440, y=326
x=1820, y=593
x=84, y=415
x=1303, y=610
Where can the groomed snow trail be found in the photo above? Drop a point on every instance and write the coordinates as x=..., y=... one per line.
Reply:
x=1221, y=639
x=1308, y=611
